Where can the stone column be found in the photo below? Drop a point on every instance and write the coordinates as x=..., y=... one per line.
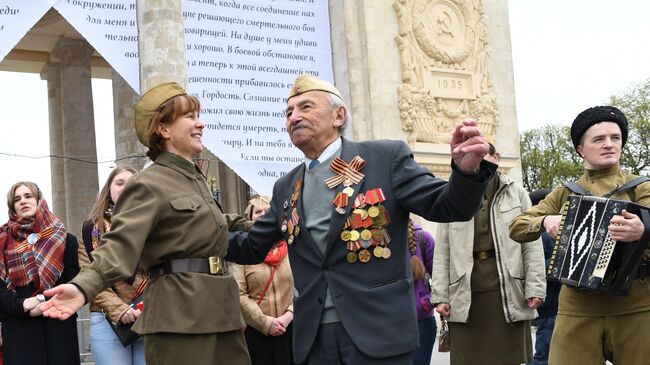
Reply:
x=128, y=149
x=52, y=73
x=81, y=181
x=161, y=42
x=161, y=45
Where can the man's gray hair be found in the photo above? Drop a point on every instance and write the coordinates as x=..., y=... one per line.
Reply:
x=336, y=102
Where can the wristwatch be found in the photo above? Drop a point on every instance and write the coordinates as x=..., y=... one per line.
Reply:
x=40, y=298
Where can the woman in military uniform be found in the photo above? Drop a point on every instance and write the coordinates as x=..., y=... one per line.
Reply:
x=168, y=220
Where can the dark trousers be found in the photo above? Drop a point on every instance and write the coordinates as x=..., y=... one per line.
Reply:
x=427, y=328
x=269, y=350
x=333, y=346
x=543, y=339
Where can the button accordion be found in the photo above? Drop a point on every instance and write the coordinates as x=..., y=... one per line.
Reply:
x=585, y=256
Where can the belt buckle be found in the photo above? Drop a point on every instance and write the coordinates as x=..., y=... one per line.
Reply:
x=483, y=255
x=216, y=265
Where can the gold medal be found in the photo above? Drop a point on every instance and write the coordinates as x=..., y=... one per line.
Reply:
x=354, y=235
x=290, y=240
x=345, y=235
x=364, y=256
x=378, y=252
x=366, y=235
x=348, y=191
x=373, y=212
x=351, y=257
x=387, y=252
x=296, y=230
x=378, y=235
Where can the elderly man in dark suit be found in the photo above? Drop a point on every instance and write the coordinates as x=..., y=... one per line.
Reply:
x=344, y=213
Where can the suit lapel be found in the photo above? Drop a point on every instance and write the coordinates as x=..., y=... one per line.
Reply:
x=348, y=151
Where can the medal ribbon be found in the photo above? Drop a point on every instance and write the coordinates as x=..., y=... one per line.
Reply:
x=345, y=171
x=341, y=200
x=375, y=196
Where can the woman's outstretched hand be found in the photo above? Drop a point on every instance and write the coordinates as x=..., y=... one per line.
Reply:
x=65, y=300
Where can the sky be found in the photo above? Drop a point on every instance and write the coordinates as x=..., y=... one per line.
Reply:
x=567, y=55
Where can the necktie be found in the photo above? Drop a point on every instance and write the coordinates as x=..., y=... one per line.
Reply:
x=313, y=164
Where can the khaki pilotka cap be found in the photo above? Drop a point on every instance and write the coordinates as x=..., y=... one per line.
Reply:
x=307, y=82
x=150, y=102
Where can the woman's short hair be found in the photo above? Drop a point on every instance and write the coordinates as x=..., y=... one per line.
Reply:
x=167, y=113
x=12, y=191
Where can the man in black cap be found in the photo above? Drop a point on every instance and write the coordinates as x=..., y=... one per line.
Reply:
x=592, y=327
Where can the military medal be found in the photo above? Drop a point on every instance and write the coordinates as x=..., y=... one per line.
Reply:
x=290, y=240
x=378, y=252
x=345, y=235
x=348, y=191
x=387, y=253
x=354, y=235
x=341, y=201
x=32, y=238
x=373, y=212
x=286, y=204
x=351, y=257
x=296, y=231
x=366, y=235
x=364, y=255
x=284, y=226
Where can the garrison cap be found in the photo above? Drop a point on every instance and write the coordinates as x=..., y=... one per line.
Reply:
x=150, y=102
x=307, y=82
x=595, y=115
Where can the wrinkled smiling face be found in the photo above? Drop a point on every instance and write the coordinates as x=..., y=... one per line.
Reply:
x=601, y=145
x=25, y=202
x=312, y=123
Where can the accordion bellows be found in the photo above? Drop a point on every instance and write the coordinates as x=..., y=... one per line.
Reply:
x=585, y=256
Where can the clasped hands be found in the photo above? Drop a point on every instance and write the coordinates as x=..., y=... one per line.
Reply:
x=33, y=305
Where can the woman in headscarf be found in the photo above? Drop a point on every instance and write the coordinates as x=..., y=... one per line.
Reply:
x=37, y=253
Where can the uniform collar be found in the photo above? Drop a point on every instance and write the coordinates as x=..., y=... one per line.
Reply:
x=177, y=163
x=602, y=173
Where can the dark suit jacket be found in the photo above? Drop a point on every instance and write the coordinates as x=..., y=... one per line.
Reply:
x=373, y=300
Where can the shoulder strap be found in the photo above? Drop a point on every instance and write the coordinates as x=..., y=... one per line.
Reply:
x=628, y=185
x=574, y=187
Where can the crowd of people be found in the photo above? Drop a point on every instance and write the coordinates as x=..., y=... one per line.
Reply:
x=332, y=269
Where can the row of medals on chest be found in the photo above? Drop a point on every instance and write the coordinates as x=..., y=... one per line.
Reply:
x=366, y=227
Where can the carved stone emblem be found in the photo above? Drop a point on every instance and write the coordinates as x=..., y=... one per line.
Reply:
x=445, y=59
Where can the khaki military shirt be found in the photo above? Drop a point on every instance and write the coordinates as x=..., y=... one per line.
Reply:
x=528, y=226
x=167, y=212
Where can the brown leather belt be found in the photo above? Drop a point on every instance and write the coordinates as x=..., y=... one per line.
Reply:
x=484, y=255
x=212, y=265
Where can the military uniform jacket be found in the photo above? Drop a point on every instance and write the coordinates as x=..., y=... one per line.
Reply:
x=373, y=300
x=167, y=212
x=572, y=301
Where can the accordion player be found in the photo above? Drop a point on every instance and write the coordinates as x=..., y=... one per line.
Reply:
x=585, y=256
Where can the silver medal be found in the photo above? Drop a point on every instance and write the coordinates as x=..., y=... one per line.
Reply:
x=32, y=238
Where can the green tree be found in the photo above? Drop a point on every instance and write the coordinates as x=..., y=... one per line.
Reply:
x=548, y=158
x=635, y=103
